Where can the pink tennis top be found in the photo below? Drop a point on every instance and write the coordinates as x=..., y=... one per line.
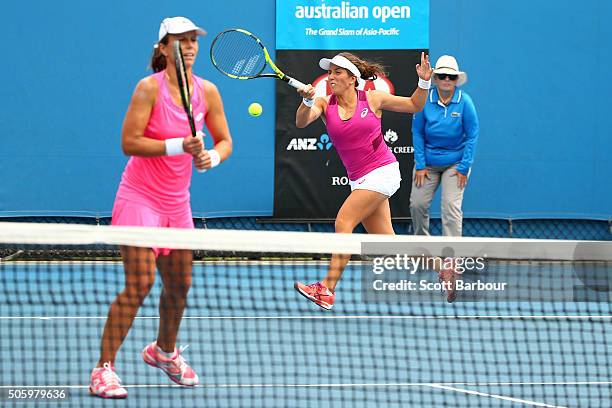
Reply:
x=162, y=182
x=358, y=140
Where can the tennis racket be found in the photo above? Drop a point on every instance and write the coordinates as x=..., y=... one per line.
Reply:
x=183, y=83
x=240, y=55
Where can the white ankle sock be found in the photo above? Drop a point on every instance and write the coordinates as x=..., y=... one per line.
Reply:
x=163, y=353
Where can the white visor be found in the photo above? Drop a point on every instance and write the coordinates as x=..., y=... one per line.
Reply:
x=343, y=62
x=178, y=25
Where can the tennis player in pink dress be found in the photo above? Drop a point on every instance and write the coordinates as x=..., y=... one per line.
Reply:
x=154, y=192
x=353, y=119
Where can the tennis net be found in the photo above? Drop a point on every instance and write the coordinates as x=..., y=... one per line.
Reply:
x=391, y=340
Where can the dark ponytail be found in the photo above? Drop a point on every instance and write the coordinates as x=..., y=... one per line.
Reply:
x=158, y=60
x=369, y=70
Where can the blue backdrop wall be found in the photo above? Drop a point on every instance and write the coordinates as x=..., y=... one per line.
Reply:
x=536, y=72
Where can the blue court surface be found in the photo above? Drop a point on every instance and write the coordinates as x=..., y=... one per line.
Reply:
x=256, y=343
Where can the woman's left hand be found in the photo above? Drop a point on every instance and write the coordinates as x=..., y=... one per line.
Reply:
x=424, y=70
x=461, y=179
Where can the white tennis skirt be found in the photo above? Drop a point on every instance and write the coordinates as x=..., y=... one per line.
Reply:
x=384, y=180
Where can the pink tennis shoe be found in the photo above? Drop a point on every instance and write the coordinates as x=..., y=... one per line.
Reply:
x=105, y=383
x=448, y=277
x=317, y=293
x=175, y=367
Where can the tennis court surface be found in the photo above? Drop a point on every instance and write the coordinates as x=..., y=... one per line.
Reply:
x=255, y=342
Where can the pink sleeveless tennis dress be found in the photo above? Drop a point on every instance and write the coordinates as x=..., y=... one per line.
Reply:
x=154, y=191
x=369, y=162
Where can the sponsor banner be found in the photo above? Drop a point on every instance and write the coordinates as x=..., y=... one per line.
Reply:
x=310, y=180
x=356, y=24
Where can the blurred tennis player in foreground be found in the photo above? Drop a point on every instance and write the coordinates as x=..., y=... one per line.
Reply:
x=154, y=192
x=353, y=119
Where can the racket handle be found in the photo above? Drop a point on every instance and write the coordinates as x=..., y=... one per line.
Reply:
x=295, y=83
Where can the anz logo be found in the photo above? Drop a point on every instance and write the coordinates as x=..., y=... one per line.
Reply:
x=310, y=143
x=324, y=142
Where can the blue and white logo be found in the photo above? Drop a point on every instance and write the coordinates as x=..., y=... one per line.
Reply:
x=310, y=143
x=355, y=24
x=324, y=142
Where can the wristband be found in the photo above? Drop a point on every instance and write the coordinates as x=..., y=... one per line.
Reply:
x=174, y=146
x=308, y=102
x=215, y=158
x=423, y=84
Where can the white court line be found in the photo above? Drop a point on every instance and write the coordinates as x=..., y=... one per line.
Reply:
x=338, y=385
x=576, y=317
x=501, y=397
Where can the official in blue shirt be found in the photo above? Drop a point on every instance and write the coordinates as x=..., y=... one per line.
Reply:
x=444, y=135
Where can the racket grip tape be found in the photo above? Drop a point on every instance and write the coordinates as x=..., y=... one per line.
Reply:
x=295, y=83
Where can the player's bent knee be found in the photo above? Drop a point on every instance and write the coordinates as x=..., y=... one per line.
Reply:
x=136, y=294
x=178, y=289
x=342, y=225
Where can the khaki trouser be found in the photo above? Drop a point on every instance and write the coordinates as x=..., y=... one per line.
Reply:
x=451, y=199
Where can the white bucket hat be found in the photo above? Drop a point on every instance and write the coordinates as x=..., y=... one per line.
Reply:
x=447, y=64
x=178, y=25
x=342, y=62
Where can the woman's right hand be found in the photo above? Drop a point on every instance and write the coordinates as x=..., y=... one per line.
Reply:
x=419, y=177
x=307, y=92
x=193, y=145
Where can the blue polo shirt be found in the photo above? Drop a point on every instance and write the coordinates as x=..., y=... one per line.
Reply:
x=445, y=135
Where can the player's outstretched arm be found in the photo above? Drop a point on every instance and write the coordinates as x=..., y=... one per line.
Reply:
x=310, y=108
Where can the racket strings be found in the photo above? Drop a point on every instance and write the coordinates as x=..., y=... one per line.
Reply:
x=238, y=54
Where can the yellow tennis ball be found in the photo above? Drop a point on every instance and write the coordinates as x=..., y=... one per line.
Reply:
x=255, y=109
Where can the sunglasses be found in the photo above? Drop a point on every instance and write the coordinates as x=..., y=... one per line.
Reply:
x=449, y=76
